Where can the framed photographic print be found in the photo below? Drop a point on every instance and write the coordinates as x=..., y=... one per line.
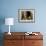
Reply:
x=26, y=15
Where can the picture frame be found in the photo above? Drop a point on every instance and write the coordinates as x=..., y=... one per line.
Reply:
x=26, y=15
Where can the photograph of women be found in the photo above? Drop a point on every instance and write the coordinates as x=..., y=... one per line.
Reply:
x=26, y=15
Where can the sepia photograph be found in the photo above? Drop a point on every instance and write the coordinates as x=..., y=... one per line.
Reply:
x=26, y=15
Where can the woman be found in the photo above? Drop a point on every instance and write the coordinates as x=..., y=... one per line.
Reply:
x=26, y=15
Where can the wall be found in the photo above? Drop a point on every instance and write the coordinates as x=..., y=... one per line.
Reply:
x=9, y=8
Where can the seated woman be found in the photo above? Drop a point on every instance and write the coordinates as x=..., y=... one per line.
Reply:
x=26, y=15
